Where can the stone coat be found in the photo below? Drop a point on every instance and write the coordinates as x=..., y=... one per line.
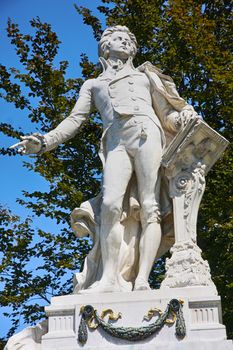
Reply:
x=131, y=92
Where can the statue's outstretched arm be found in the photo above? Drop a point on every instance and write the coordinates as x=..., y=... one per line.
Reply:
x=68, y=128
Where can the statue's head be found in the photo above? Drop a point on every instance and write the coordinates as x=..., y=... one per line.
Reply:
x=117, y=39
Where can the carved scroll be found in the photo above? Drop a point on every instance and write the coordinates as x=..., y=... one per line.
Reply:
x=187, y=160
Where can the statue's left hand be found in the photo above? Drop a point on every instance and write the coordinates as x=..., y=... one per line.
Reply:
x=186, y=115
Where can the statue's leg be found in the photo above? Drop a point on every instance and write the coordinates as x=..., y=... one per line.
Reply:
x=117, y=173
x=147, y=164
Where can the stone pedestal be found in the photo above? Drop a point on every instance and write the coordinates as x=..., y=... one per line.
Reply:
x=201, y=310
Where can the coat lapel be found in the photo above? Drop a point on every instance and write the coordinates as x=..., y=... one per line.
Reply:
x=125, y=72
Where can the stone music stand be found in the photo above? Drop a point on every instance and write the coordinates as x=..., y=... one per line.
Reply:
x=186, y=162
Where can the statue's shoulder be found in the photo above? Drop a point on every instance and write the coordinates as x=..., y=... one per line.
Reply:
x=148, y=68
x=88, y=84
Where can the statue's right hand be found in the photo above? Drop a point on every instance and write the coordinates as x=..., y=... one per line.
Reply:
x=29, y=145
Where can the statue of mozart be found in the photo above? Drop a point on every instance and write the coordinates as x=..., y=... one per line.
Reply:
x=141, y=112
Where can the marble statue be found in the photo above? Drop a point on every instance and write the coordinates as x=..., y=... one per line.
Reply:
x=130, y=221
x=156, y=151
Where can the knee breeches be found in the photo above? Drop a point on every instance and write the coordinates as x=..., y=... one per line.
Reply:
x=134, y=144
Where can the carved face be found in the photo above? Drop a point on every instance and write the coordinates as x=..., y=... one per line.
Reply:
x=120, y=45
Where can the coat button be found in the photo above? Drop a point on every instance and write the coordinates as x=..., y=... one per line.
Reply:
x=131, y=89
x=131, y=82
x=136, y=108
x=116, y=104
x=112, y=87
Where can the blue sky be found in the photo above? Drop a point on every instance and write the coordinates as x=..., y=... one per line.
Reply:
x=76, y=38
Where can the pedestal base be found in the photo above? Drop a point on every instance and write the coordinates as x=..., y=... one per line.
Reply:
x=198, y=345
x=201, y=310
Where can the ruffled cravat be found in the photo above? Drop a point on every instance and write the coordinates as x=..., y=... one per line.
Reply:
x=116, y=65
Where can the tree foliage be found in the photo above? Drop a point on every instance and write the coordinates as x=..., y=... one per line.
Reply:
x=189, y=40
x=36, y=264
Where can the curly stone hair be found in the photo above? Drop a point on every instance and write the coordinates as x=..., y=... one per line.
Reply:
x=104, y=41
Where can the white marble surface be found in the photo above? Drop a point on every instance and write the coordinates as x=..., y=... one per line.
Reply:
x=133, y=221
x=186, y=345
x=202, y=313
x=201, y=309
x=29, y=338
